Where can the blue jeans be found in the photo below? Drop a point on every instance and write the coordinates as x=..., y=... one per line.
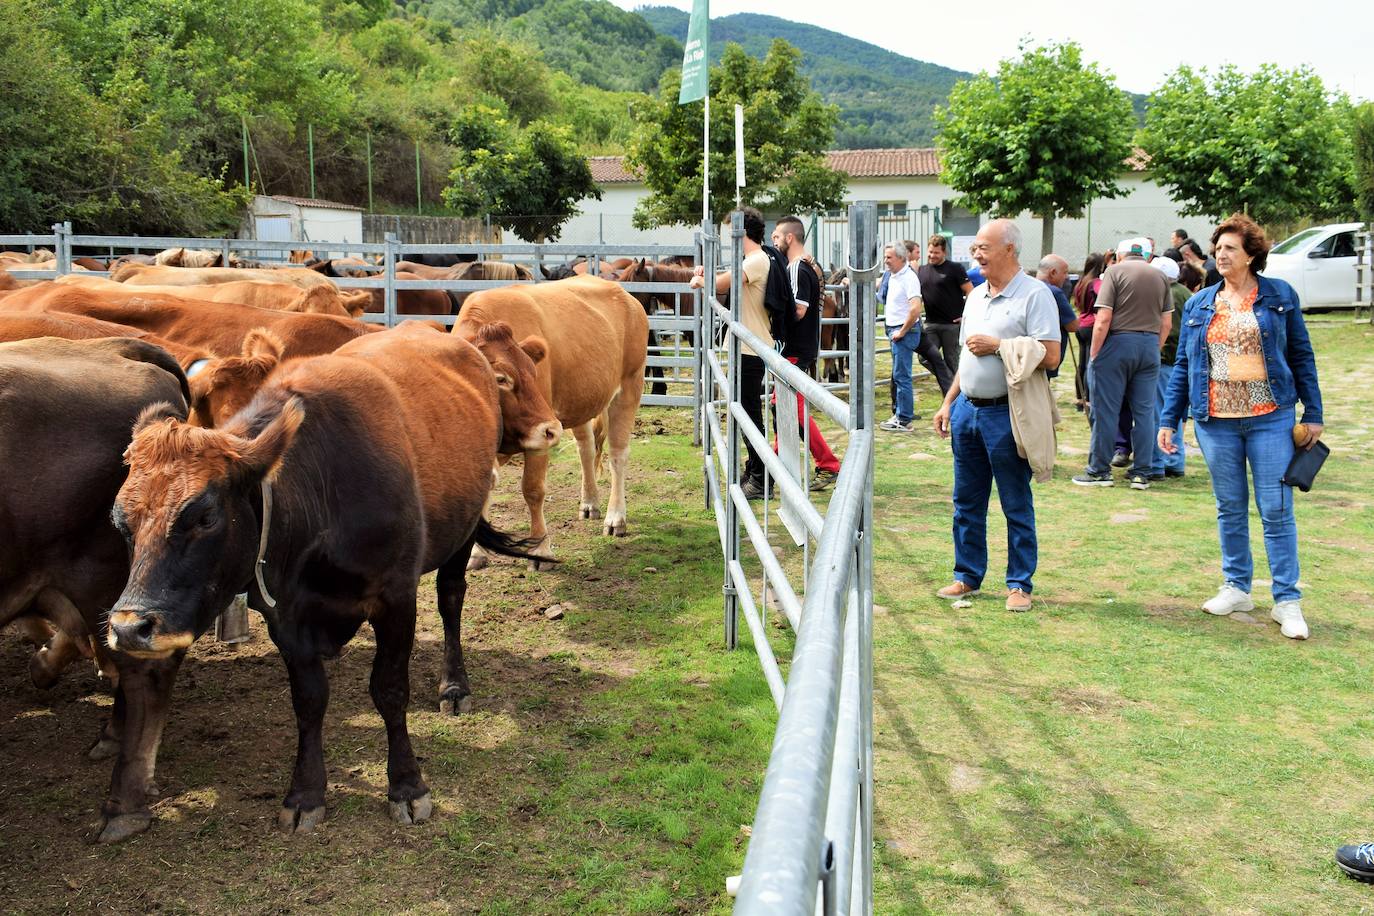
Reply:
x=1125, y=371
x=903, y=351
x=1163, y=460
x=984, y=451
x=1266, y=444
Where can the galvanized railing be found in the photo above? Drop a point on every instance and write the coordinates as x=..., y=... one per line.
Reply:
x=811, y=843
x=672, y=356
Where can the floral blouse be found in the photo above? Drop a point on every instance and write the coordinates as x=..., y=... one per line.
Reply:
x=1238, y=382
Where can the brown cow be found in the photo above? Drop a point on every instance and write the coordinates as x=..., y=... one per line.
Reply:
x=285, y=297
x=77, y=327
x=597, y=336
x=67, y=408
x=156, y=275
x=347, y=478
x=219, y=327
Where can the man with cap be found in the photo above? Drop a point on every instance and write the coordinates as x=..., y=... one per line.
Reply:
x=1134, y=317
x=1166, y=465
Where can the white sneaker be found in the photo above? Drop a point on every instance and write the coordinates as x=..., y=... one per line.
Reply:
x=1288, y=615
x=1229, y=600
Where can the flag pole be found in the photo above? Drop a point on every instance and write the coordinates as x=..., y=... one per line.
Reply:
x=706, y=161
x=696, y=84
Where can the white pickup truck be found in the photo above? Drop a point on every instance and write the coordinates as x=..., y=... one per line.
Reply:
x=1320, y=263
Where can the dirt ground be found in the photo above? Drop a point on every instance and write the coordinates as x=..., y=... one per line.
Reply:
x=228, y=749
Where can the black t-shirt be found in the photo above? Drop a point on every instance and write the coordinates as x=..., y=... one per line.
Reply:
x=804, y=335
x=942, y=291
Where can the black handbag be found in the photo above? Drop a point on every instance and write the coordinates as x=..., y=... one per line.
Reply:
x=1305, y=465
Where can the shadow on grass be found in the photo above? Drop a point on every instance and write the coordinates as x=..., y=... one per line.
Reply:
x=1059, y=844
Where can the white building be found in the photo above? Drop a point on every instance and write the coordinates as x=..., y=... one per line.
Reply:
x=304, y=220
x=912, y=204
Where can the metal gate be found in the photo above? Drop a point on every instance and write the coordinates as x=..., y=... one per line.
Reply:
x=812, y=832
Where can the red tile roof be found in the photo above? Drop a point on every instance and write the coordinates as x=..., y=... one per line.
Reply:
x=923, y=162
x=313, y=202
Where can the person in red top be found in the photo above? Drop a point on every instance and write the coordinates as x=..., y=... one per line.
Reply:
x=1084, y=300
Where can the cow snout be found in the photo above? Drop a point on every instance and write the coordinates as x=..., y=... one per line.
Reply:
x=545, y=435
x=132, y=631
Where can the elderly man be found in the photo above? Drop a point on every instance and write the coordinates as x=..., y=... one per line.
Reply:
x=1053, y=271
x=1008, y=304
x=901, y=318
x=1134, y=315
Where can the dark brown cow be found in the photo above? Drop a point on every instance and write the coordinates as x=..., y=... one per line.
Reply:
x=67, y=408
x=219, y=327
x=348, y=477
x=597, y=336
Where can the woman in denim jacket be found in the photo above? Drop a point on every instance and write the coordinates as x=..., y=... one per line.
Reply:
x=1244, y=361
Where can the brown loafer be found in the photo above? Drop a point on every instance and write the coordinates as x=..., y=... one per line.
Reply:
x=956, y=591
x=1018, y=600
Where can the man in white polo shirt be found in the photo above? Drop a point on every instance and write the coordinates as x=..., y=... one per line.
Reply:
x=1008, y=304
x=901, y=317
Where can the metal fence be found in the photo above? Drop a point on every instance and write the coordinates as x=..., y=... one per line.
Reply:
x=670, y=355
x=812, y=833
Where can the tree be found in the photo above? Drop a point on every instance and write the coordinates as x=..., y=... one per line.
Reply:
x=1362, y=137
x=787, y=130
x=1048, y=134
x=1272, y=144
x=528, y=180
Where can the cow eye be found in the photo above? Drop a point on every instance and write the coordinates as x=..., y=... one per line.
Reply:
x=503, y=381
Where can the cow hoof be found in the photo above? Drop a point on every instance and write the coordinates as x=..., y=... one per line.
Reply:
x=103, y=749
x=542, y=564
x=299, y=820
x=414, y=811
x=478, y=561
x=615, y=529
x=453, y=702
x=119, y=828
x=591, y=512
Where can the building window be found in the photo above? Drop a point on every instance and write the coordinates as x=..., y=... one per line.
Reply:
x=892, y=210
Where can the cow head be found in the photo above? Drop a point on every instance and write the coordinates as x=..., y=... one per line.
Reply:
x=225, y=386
x=188, y=511
x=527, y=420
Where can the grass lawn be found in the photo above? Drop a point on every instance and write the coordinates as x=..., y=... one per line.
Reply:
x=1115, y=750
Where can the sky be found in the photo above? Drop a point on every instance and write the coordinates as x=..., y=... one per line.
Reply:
x=1334, y=37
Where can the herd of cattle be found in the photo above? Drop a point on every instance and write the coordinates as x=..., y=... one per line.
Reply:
x=173, y=436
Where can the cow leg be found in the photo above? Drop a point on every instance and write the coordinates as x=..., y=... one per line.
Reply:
x=533, y=486
x=586, y=453
x=620, y=426
x=658, y=387
x=146, y=691
x=303, y=808
x=390, y=687
x=455, y=694
x=70, y=639
x=107, y=742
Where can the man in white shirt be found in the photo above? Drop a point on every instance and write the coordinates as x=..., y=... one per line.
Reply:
x=1008, y=304
x=901, y=313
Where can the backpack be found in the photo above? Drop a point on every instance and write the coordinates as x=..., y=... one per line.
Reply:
x=778, y=299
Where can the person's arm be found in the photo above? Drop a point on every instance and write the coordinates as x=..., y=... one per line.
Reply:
x=1176, y=392
x=1302, y=362
x=966, y=288
x=1166, y=324
x=1101, y=325
x=913, y=315
x=940, y=422
x=722, y=280
x=1052, y=354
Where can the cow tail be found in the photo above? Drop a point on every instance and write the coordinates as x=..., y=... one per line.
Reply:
x=494, y=540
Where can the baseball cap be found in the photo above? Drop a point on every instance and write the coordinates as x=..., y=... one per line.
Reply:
x=1140, y=247
x=1166, y=266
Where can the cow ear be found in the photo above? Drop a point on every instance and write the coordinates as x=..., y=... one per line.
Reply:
x=155, y=413
x=262, y=344
x=535, y=348
x=263, y=454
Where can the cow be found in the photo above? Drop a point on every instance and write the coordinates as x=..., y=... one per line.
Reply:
x=597, y=336
x=157, y=275
x=66, y=411
x=189, y=257
x=77, y=327
x=285, y=297
x=343, y=267
x=219, y=327
x=346, y=478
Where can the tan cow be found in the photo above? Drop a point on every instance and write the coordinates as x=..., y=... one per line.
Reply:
x=156, y=275
x=285, y=297
x=27, y=326
x=597, y=337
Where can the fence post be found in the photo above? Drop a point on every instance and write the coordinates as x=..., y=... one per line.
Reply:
x=698, y=354
x=864, y=255
x=62, y=247
x=310, y=143
x=224, y=252
x=389, y=268
x=369, y=171
x=732, y=433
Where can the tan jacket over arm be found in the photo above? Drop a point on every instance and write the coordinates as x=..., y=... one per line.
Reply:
x=1033, y=411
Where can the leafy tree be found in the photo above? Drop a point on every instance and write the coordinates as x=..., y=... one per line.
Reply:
x=513, y=73
x=787, y=130
x=1048, y=134
x=1362, y=135
x=529, y=180
x=1273, y=143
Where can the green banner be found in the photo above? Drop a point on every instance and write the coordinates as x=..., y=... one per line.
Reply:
x=696, y=59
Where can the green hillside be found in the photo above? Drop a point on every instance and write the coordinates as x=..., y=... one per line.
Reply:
x=885, y=99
